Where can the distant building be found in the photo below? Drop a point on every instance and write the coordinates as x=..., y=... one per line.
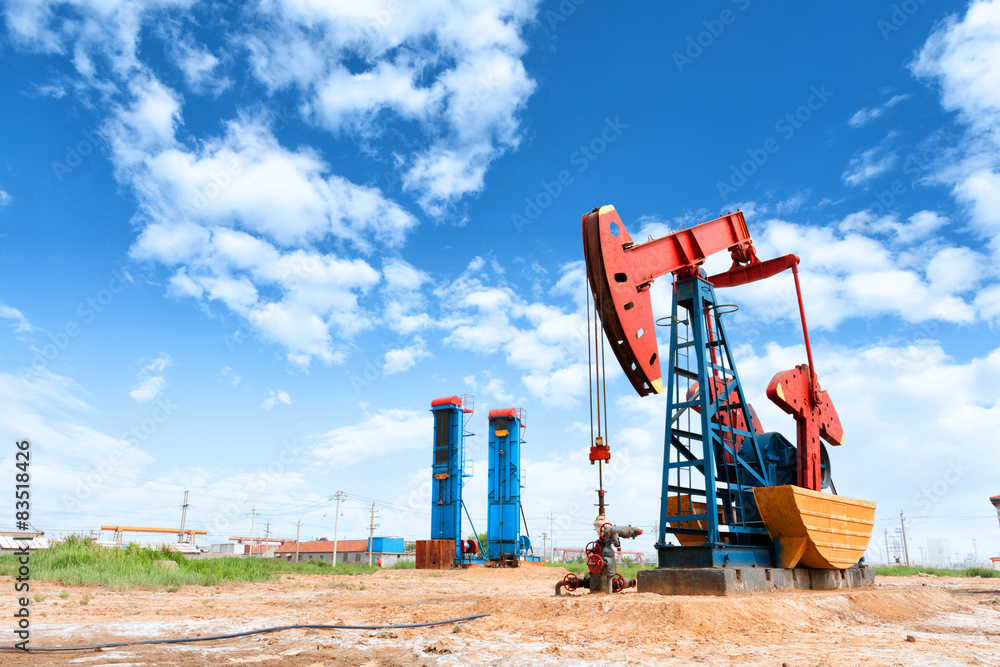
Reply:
x=995, y=561
x=938, y=554
x=389, y=550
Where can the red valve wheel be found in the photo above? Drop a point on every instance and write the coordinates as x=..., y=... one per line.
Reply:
x=595, y=563
x=593, y=548
x=571, y=582
x=618, y=583
x=601, y=532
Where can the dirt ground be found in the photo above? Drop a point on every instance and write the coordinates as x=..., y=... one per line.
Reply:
x=902, y=621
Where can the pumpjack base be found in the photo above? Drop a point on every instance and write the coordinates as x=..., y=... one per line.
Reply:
x=715, y=555
x=729, y=581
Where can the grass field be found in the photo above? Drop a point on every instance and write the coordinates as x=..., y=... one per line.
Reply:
x=78, y=561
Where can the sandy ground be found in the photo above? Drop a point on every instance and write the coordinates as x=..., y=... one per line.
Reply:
x=902, y=621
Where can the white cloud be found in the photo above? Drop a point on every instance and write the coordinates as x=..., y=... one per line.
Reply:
x=20, y=322
x=279, y=397
x=95, y=33
x=5, y=198
x=456, y=70
x=962, y=56
x=401, y=359
x=918, y=227
x=867, y=165
x=199, y=66
x=793, y=203
x=866, y=115
x=383, y=434
x=847, y=272
x=152, y=381
x=227, y=217
x=490, y=385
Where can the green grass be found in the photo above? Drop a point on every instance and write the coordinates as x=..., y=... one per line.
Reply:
x=403, y=565
x=903, y=571
x=77, y=561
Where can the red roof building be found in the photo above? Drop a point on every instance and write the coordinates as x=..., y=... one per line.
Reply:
x=348, y=551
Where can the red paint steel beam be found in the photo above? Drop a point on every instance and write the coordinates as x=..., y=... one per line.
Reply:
x=741, y=275
x=620, y=273
x=815, y=418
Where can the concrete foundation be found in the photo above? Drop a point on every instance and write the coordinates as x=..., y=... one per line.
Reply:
x=740, y=581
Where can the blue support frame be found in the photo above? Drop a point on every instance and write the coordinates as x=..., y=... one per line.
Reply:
x=448, y=472
x=701, y=461
x=506, y=479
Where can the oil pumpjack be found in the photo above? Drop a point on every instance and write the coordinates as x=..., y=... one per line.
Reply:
x=746, y=506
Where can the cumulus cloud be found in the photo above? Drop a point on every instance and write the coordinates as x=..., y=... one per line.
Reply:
x=862, y=266
x=237, y=221
x=401, y=359
x=279, y=397
x=383, y=434
x=457, y=69
x=962, y=56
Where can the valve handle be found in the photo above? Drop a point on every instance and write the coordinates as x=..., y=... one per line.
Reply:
x=571, y=582
x=595, y=563
x=618, y=583
x=604, y=527
x=593, y=548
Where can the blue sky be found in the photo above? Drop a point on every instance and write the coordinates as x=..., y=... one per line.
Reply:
x=245, y=245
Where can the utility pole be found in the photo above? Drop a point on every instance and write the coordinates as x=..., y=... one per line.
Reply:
x=545, y=543
x=922, y=560
x=267, y=536
x=297, y=526
x=253, y=514
x=887, y=548
x=906, y=549
x=336, y=518
x=184, y=511
x=552, y=533
x=371, y=532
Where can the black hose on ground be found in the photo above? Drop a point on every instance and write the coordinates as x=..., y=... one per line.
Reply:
x=187, y=640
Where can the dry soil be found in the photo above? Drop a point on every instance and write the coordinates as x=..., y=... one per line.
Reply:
x=901, y=621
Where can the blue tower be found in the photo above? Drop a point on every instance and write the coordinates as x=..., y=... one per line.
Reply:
x=448, y=471
x=505, y=482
